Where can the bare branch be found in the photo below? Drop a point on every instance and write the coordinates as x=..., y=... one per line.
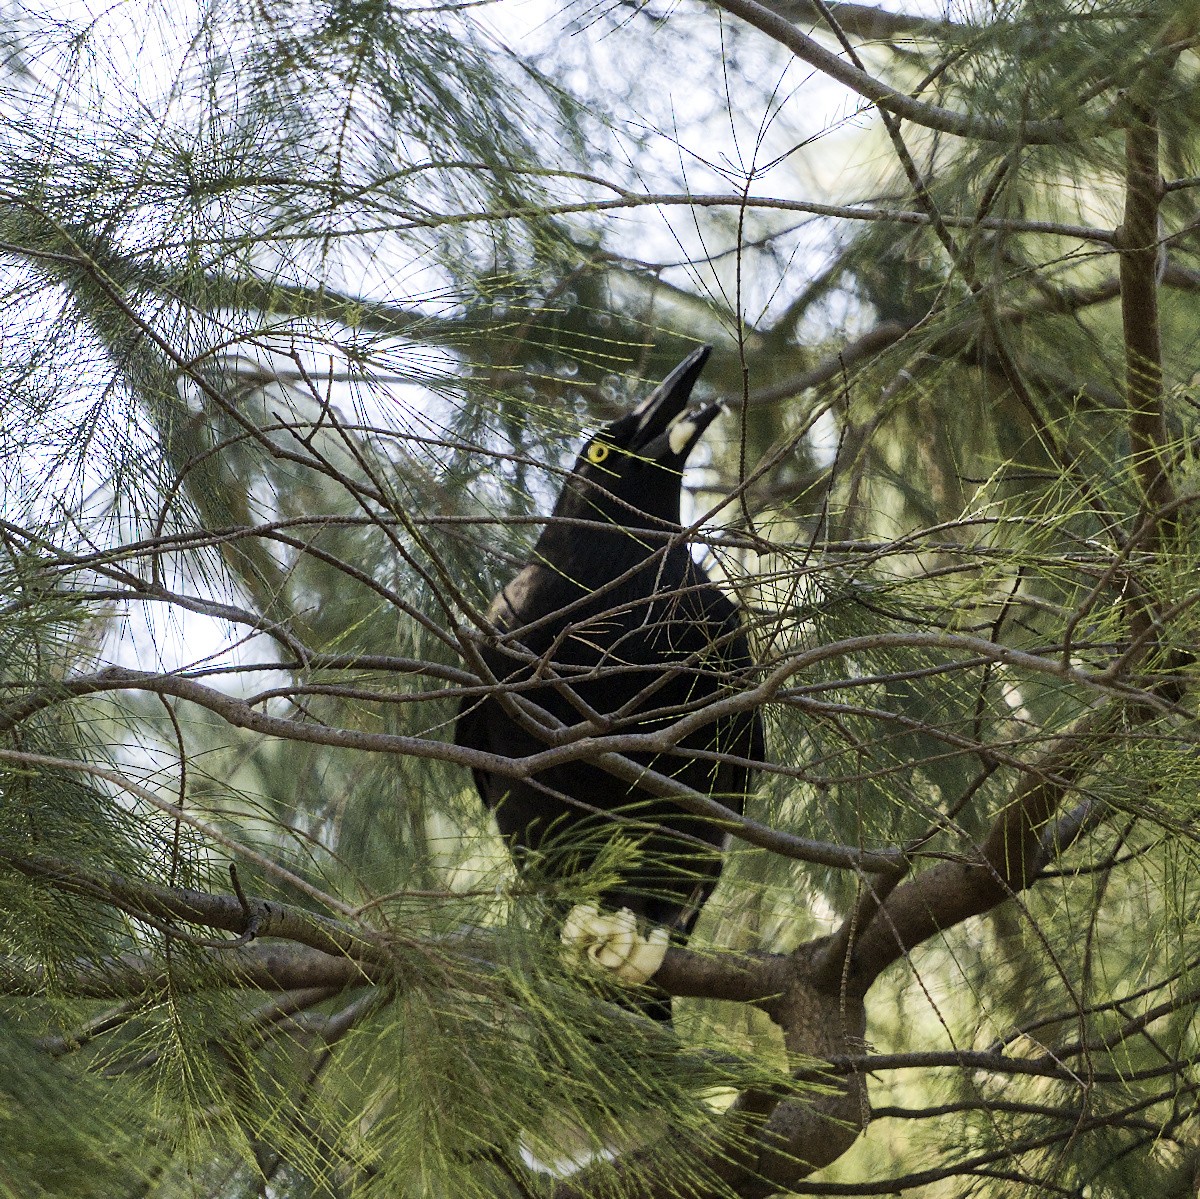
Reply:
x=214, y=911
x=1008, y=861
x=1052, y=132
x=279, y=966
x=1139, y=260
x=867, y=21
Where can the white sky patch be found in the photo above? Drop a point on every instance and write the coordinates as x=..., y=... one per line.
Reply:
x=688, y=133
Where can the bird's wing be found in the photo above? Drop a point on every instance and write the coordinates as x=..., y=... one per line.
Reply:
x=533, y=592
x=522, y=600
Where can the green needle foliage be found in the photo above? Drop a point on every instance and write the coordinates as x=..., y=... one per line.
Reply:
x=308, y=308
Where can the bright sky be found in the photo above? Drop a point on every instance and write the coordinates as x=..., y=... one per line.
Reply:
x=132, y=64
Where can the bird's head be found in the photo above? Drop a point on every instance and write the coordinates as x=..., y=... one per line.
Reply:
x=630, y=473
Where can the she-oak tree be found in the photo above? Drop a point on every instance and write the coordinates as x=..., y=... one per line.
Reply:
x=303, y=325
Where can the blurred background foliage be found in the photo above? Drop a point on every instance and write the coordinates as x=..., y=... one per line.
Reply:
x=307, y=308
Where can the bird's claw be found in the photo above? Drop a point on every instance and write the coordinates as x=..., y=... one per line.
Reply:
x=612, y=942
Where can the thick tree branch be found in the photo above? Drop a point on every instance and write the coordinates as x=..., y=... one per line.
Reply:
x=320, y=952
x=1139, y=261
x=867, y=21
x=1008, y=860
x=228, y=912
x=278, y=966
x=930, y=116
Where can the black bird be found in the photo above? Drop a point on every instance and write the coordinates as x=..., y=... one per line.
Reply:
x=623, y=624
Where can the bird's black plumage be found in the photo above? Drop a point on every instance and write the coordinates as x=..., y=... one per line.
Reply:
x=623, y=624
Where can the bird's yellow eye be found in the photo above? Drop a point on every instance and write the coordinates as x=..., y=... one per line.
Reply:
x=597, y=452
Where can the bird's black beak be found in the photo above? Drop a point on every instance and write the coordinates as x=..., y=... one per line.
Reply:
x=667, y=428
